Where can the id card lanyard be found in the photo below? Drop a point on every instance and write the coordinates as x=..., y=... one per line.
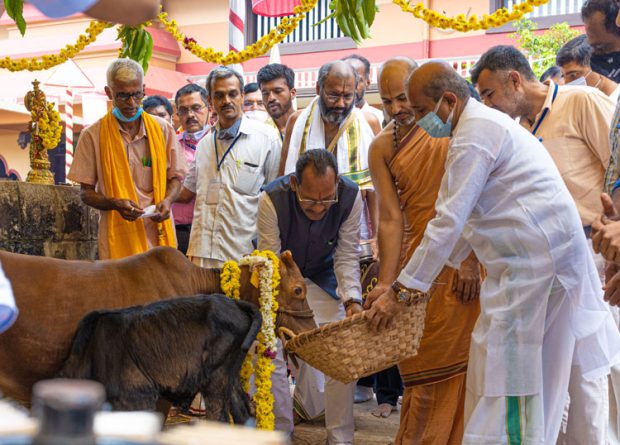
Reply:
x=230, y=147
x=544, y=113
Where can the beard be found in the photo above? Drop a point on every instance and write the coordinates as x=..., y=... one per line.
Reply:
x=334, y=115
x=280, y=111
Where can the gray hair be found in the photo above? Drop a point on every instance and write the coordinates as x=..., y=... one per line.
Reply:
x=326, y=69
x=222, y=72
x=450, y=81
x=124, y=70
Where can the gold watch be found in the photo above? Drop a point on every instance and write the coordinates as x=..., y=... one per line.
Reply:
x=403, y=294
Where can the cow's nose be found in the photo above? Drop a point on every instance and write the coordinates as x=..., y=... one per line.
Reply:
x=298, y=290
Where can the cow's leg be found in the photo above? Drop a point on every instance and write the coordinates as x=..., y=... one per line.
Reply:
x=136, y=399
x=217, y=393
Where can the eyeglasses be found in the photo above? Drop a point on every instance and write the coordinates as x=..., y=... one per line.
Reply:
x=333, y=98
x=138, y=96
x=183, y=111
x=312, y=202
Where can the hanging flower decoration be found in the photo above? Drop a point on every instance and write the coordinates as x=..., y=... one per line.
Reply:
x=473, y=23
x=47, y=61
x=262, y=46
x=265, y=269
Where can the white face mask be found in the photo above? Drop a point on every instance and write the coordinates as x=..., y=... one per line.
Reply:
x=258, y=115
x=580, y=81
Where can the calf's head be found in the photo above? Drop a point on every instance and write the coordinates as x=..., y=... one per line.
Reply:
x=294, y=312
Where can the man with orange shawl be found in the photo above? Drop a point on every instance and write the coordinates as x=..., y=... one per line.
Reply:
x=407, y=165
x=129, y=166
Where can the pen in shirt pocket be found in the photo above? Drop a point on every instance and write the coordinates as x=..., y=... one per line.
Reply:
x=249, y=164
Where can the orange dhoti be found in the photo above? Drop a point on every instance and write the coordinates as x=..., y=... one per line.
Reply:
x=434, y=380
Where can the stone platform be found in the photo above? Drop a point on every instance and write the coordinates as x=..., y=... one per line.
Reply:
x=46, y=220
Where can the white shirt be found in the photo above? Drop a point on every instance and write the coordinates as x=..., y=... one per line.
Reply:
x=8, y=310
x=615, y=95
x=375, y=111
x=346, y=256
x=502, y=195
x=224, y=229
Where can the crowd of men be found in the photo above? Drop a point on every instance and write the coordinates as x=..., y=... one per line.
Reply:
x=492, y=204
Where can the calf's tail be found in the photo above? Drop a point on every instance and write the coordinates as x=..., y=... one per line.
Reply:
x=257, y=320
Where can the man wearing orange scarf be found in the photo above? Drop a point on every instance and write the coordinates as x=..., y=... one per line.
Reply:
x=129, y=167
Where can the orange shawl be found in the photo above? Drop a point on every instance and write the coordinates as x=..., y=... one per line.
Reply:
x=127, y=238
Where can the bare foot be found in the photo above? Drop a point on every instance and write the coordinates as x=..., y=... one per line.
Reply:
x=383, y=410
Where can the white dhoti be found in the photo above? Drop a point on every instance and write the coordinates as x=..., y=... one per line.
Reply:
x=587, y=414
x=535, y=418
x=315, y=393
x=8, y=309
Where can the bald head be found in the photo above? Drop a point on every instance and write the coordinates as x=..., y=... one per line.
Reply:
x=436, y=86
x=433, y=79
x=337, y=69
x=392, y=80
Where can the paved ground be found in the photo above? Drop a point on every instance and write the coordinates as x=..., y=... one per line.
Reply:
x=369, y=430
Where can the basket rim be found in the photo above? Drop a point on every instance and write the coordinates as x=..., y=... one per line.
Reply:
x=298, y=340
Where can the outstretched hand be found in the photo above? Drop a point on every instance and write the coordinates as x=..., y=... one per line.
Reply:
x=128, y=209
x=383, y=308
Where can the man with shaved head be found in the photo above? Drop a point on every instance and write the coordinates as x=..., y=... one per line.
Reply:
x=541, y=307
x=407, y=165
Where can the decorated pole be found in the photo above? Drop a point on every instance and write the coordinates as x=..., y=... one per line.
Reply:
x=236, y=29
x=69, y=130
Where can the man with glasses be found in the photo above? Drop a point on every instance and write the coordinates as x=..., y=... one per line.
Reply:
x=315, y=214
x=232, y=163
x=129, y=166
x=193, y=112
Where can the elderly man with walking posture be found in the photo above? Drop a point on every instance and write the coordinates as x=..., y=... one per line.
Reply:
x=126, y=162
x=407, y=166
x=315, y=214
x=541, y=307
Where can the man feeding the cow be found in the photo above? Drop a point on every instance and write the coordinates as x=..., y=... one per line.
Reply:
x=541, y=307
x=315, y=213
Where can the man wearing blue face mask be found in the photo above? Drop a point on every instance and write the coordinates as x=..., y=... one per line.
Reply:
x=540, y=305
x=129, y=163
x=574, y=61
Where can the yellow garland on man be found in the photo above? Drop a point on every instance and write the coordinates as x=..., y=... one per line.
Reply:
x=473, y=23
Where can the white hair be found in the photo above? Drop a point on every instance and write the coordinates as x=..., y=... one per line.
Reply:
x=124, y=70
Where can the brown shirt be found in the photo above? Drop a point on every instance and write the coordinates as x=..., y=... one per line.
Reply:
x=575, y=132
x=86, y=169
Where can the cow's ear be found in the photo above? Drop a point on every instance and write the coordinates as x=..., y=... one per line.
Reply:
x=287, y=258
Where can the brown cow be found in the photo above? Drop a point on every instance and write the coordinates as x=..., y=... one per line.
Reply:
x=54, y=295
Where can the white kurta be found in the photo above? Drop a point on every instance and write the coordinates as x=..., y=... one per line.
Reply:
x=503, y=193
x=224, y=228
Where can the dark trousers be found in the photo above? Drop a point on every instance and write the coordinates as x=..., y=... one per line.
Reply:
x=387, y=384
x=183, y=231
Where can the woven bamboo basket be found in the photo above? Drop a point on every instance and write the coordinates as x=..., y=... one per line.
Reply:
x=349, y=349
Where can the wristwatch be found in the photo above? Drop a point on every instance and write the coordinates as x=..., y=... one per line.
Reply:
x=351, y=301
x=403, y=294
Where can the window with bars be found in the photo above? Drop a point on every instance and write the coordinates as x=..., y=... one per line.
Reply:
x=552, y=8
x=310, y=33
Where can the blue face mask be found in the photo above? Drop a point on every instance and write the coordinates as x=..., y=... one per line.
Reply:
x=117, y=114
x=434, y=126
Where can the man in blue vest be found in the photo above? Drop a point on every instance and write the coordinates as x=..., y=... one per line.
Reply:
x=315, y=214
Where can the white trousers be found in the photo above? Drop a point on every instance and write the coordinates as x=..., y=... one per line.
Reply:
x=207, y=263
x=315, y=393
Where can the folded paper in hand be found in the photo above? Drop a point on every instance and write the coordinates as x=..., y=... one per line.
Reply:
x=149, y=212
